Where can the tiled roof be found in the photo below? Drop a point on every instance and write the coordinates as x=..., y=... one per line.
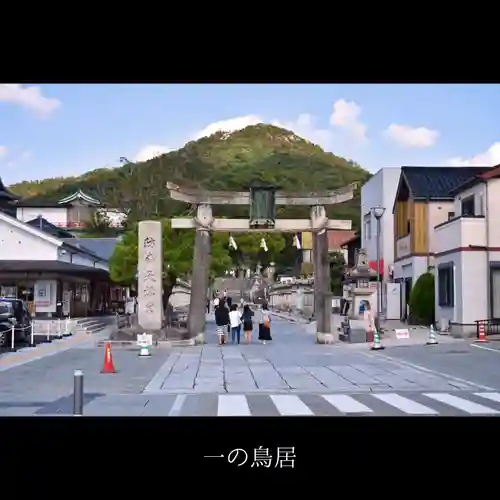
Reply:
x=36, y=202
x=102, y=247
x=48, y=227
x=438, y=182
x=336, y=238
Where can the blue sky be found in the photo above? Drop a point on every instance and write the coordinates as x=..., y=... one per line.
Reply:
x=53, y=130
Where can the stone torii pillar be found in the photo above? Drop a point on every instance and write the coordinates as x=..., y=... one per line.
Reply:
x=322, y=293
x=200, y=273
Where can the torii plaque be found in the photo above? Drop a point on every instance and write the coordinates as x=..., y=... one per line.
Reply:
x=262, y=219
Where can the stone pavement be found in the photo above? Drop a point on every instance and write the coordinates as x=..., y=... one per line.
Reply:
x=418, y=334
x=289, y=376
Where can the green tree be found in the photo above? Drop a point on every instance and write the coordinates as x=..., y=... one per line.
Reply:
x=228, y=162
x=249, y=251
x=422, y=306
x=99, y=226
x=337, y=270
x=178, y=249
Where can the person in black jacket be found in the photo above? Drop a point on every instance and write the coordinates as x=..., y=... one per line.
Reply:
x=221, y=319
x=246, y=318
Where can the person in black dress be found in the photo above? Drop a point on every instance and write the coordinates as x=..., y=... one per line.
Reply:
x=246, y=318
x=265, y=325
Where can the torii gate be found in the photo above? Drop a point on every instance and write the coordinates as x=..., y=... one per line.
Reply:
x=262, y=200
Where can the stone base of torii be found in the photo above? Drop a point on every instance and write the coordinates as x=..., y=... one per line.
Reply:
x=204, y=223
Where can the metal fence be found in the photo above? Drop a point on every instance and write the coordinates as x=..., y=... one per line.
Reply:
x=37, y=332
x=491, y=326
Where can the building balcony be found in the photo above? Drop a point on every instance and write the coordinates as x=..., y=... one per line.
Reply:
x=460, y=232
x=403, y=246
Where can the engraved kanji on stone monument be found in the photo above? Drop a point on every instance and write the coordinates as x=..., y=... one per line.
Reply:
x=150, y=268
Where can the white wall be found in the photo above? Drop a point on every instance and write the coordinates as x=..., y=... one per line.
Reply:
x=380, y=190
x=493, y=213
x=437, y=213
x=470, y=290
x=56, y=216
x=17, y=244
x=411, y=267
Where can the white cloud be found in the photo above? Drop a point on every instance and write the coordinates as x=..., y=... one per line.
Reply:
x=303, y=126
x=346, y=116
x=28, y=97
x=3, y=151
x=151, y=151
x=230, y=125
x=411, y=137
x=490, y=157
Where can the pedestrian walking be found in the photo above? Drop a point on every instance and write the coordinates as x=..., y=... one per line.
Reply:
x=221, y=319
x=369, y=320
x=246, y=318
x=235, y=323
x=208, y=306
x=264, y=324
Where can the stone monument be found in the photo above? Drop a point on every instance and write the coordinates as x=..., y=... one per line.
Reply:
x=150, y=276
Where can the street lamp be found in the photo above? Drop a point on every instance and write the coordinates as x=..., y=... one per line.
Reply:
x=378, y=213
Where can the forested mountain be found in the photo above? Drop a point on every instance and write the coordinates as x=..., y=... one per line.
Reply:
x=223, y=161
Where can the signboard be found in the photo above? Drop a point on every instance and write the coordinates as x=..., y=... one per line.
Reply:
x=42, y=293
x=66, y=299
x=144, y=340
x=306, y=241
x=402, y=333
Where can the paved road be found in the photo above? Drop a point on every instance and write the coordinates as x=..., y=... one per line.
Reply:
x=300, y=404
x=289, y=376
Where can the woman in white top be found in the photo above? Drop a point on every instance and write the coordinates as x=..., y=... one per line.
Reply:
x=235, y=322
x=369, y=321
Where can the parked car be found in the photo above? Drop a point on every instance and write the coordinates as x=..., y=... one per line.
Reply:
x=14, y=312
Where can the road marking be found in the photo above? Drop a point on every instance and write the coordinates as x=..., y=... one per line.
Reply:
x=233, y=405
x=462, y=404
x=405, y=405
x=346, y=404
x=492, y=396
x=289, y=406
x=401, y=362
x=177, y=406
x=485, y=348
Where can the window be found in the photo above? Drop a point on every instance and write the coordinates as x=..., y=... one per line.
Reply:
x=468, y=209
x=445, y=285
x=367, y=222
x=481, y=205
x=451, y=215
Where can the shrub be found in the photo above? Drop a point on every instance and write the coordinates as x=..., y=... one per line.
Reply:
x=422, y=306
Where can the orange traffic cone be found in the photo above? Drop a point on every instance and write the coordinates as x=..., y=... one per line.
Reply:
x=481, y=334
x=108, y=366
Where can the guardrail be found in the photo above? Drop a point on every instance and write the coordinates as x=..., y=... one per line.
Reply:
x=38, y=337
x=122, y=320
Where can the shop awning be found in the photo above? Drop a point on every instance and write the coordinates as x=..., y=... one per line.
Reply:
x=49, y=266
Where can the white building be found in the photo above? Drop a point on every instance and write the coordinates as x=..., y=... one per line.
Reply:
x=56, y=273
x=72, y=212
x=379, y=191
x=467, y=254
